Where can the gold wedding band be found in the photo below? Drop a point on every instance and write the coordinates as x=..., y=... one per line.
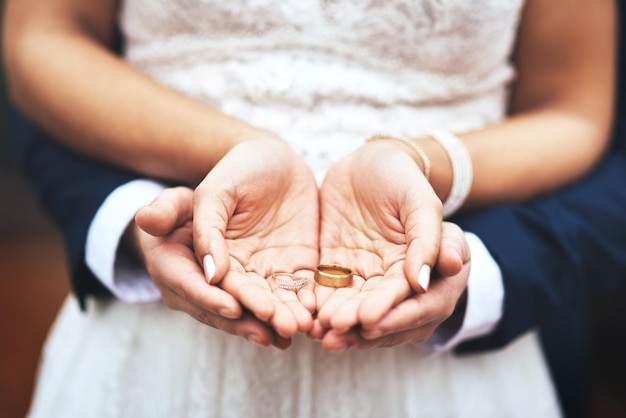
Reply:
x=333, y=275
x=289, y=281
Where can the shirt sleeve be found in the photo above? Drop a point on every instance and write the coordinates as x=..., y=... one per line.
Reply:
x=118, y=271
x=485, y=298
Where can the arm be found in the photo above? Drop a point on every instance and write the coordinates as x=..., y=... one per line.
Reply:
x=62, y=75
x=556, y=250
x=71, y=189
x=561, y=107
x=561, y=115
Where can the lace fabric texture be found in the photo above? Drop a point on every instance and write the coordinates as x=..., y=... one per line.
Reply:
x=323, y=74
x=129, y=361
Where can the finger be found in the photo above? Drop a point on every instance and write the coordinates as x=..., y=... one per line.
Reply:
x=317, y=331
x=422, y=216
x=281, y=343
x=247, y=327
x=303, y=317
x=346, y=315
x=179, y=272
x=335, y=298
x=411, y=313
x=250, y=291
x=376, y=297
x=172, y=208
x=431, y=308
x=289, y=297
x=383, y=294
x=335, y=342
x=254, y=293
x=213, y=207
x=412, y=336
x=306, y=295
x=285, y=322
x=322, y=294
x=454, y=251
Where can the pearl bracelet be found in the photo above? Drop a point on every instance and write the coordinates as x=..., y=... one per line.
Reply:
x=462, y=170
x=412, y=144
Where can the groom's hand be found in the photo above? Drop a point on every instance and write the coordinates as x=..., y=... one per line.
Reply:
x=163, y=237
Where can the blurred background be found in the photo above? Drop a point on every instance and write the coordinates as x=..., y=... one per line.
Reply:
x=34, y=283
x=33, y=279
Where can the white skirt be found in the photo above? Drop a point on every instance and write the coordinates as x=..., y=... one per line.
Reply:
x=137, y=361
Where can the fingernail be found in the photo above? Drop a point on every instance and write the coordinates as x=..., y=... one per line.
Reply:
x=227, y=313
x=255, y=339
x=423, y=277
x=372, y=335
x=281, y=343
x=339, y=348
x=459, y=257
x=209, y=267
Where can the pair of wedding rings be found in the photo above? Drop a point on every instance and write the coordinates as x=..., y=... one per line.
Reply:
x=331, y=275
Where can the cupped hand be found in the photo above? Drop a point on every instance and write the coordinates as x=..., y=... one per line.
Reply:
x=256, y=213
x=416, y=318
x=163, y=238
x=381, y=218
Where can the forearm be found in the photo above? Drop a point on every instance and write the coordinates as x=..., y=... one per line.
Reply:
x=561, y=107
x=526, y=155
x=62, y=76
x=556, y=250
x=71, y=195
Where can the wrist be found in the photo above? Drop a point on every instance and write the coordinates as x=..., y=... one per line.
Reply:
x=441, y=166
x=406, y=145
x=251, y=133
x=131, y=241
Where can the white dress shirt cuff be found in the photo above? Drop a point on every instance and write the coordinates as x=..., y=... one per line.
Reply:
x=485, y=298
x=119, y=272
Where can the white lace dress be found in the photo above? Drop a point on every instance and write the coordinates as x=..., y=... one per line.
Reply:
x=323, y=74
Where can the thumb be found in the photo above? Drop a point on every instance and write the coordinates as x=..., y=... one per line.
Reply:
x=213, y=208
x=454, y=252
x=423, y=235
x=172, y=208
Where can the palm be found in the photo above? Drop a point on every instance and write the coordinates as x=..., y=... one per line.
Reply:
x=370, y=204
x=261, y=233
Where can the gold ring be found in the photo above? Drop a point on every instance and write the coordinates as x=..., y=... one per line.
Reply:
x=333, y=275
x=289, y=281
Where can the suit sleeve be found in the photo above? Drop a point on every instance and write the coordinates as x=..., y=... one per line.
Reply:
x=556, y=251
x=71, y=188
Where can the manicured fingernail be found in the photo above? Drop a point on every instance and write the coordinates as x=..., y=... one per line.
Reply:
x=423, y=277
x=209, y=267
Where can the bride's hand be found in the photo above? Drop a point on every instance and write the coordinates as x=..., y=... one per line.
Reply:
x=163, y=238
x=382, y=219
x=256, y=213
x=416, y=318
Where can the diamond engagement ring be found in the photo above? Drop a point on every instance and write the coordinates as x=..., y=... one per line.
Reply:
x=289, y=281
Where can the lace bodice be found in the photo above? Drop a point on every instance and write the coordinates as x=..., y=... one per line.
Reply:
x=325, y=73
